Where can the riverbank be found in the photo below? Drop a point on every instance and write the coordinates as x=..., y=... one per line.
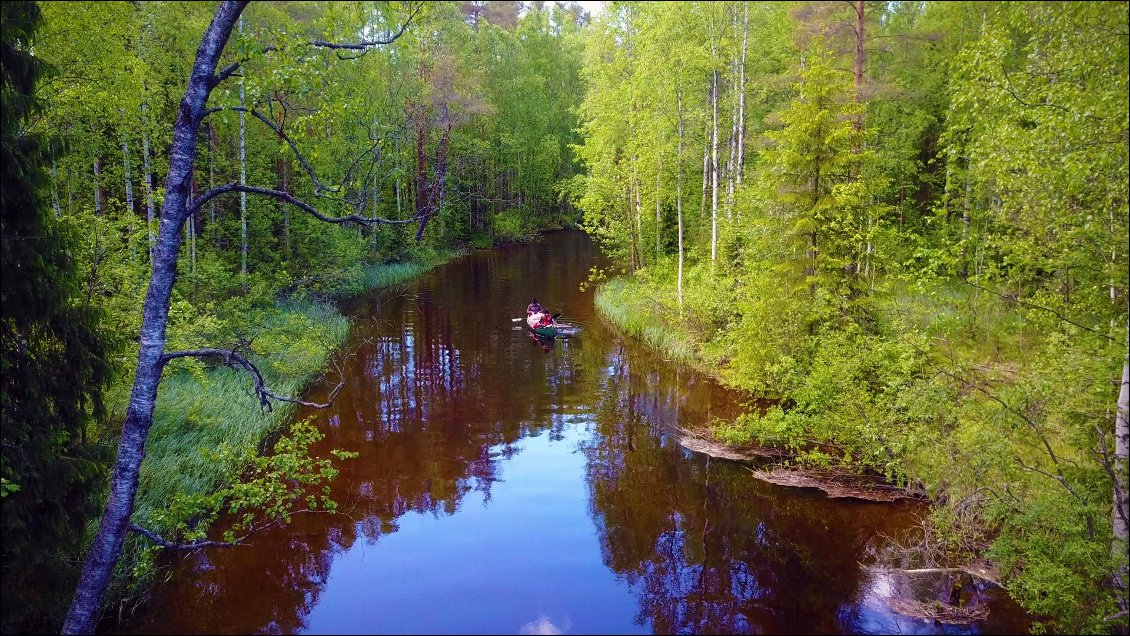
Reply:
x=204, y=406
x=946, y=392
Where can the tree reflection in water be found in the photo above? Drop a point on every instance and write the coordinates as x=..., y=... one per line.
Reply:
x=441, y=392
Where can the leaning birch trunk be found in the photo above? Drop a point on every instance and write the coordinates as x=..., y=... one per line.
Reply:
x=150, y=210
x=242, y=176
x=107, y=545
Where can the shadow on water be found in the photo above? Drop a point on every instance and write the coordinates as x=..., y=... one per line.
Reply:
x=503, y=487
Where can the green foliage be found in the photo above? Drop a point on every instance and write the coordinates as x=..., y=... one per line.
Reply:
x=272, y=488
x=52, y=358
x=925, y=269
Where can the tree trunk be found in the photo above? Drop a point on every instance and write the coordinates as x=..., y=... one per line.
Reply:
x=732, y=161
x=714, y=174
x=190, y=227
x=129, y=196
x=741, y=97
x=679, y=191
x=858, y=124
x=107, y=545
x=55, y=204
x=213, y=230
x=242, y=177
x=658, y=218
x=1121, y=461
x=705, y=169
x=150, y=210
x=97, y=186
x=965, y=206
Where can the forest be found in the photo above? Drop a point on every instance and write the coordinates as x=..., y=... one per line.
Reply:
x=902, y=227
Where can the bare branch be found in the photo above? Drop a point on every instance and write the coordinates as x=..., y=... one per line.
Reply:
x=196, y=545
x=1041, y=307
x=169, y=545
x=362, y=46
x=1032, y=425
x=233, y=358
x=283, y=196
x=365, y=45
x=319, y=187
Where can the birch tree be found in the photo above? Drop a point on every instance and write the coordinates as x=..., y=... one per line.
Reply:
x=152, y=357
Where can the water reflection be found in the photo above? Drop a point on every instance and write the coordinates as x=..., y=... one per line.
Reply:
x=501, y=488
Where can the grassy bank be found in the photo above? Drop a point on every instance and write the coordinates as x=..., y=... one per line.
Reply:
x=204, y=406
x=990, y=408
x=643, y=311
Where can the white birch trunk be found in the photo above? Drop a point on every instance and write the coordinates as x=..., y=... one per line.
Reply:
x=741, y=97
x=242, y=176
x=679, y=193
x=733, y=159
x=714, y=175
x=97, y=191
x=55, y=204
x=1121, y=461
x=129, y=197
x=212, y=184
x=658, y=219
x=150, y=206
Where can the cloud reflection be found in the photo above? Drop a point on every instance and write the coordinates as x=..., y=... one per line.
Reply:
x=543, y=626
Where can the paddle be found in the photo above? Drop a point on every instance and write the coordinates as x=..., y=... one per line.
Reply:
x=554, y=317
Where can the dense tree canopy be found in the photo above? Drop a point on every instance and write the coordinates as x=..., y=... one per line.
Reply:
x=902, y=223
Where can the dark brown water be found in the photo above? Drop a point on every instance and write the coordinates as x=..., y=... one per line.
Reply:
x=502, y=488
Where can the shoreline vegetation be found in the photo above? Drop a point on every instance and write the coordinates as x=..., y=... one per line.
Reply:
x=208, y=425
x=813, y=454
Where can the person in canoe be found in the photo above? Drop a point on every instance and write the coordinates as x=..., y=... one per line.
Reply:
x=536, y=316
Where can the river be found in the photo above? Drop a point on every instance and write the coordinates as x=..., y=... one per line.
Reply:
x=504, y=488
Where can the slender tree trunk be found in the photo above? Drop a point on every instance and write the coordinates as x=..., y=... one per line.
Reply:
x=97, y=186
x=679, y=191
x=107, y=545
x=1121, y=461
x=714, y=174
x=55, y=204
x=190, y=227
x=129, y=197
x=965, y=208
x=150, y=209
x=242, y=177
x=705, y=168
x=858, y=71
x=658, y=219
x=213, y=230
x=741, y=97
x=732, y=161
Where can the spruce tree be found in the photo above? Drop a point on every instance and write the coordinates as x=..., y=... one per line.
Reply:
x=52, y=361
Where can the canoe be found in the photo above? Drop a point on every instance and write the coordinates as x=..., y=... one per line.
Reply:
x=548, y=331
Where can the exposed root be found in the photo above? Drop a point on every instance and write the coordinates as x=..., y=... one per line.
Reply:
x=701, y=443
x=836, y=483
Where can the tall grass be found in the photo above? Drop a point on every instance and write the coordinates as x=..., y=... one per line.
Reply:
x=204, y=405
x=638, y=310
x=212, y=407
